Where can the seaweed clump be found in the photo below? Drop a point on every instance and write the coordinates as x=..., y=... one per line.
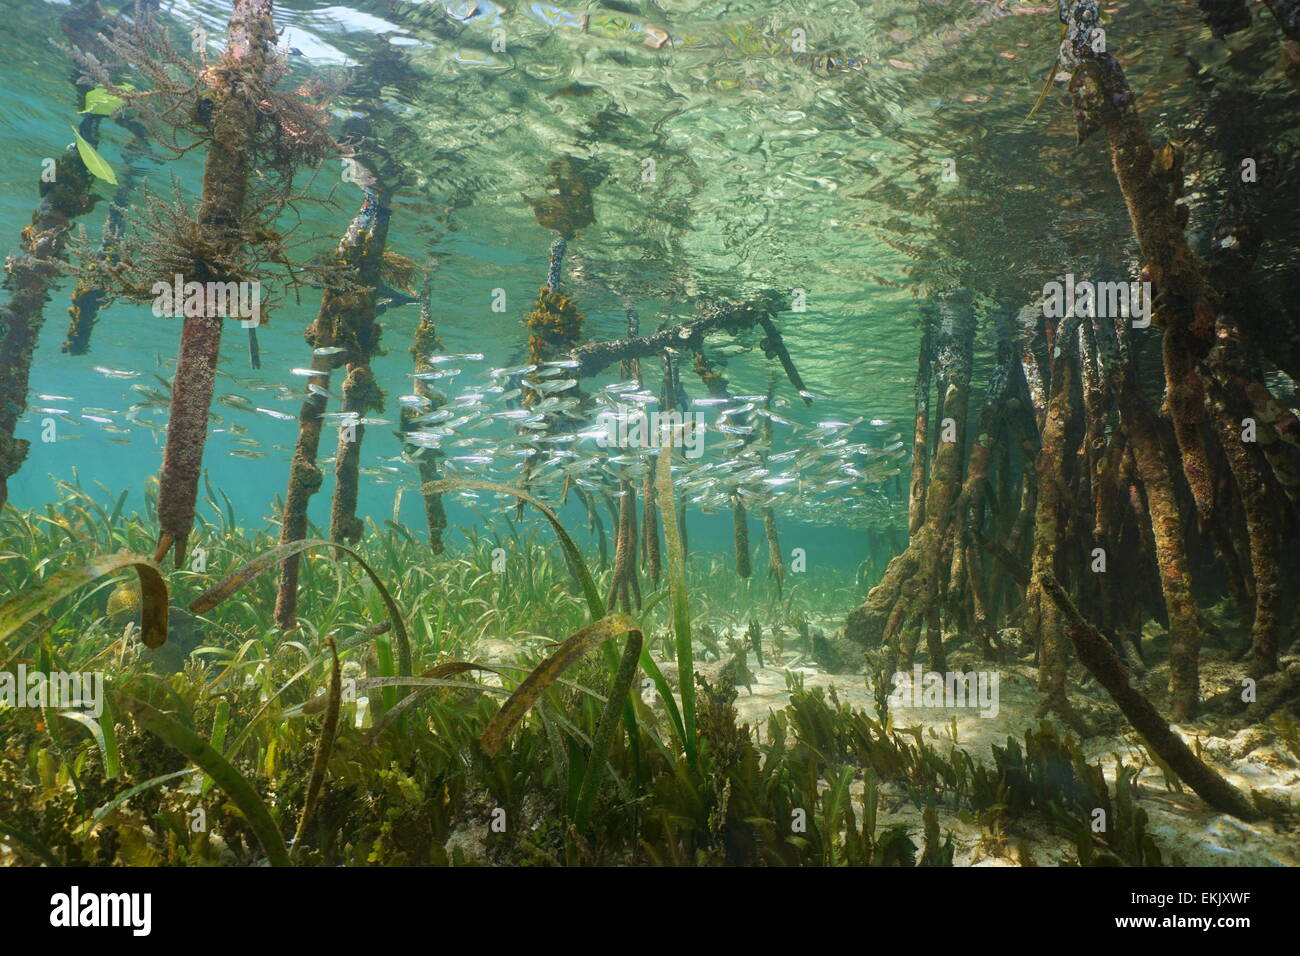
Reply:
x=554, y=325
x=567, y=207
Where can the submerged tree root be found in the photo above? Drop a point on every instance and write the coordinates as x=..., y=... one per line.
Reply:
x=249, y=48
x=426, y=345
x=1100, y=658
x=335, y=327
x=906, y=599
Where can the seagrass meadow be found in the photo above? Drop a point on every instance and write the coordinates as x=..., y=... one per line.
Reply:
x=633, y=433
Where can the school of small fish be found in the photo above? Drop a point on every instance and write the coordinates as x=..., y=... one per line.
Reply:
x=752, y=448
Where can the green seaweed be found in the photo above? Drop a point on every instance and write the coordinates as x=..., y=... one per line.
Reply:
x=230, y=780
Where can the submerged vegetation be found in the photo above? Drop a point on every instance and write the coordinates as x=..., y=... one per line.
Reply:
x=1089, y=548
x=290, y=745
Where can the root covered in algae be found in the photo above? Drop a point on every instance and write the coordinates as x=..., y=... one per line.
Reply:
x=425, y=346
x=343, y=334
x=256, y=137
x=28, y=281
x=66, y=192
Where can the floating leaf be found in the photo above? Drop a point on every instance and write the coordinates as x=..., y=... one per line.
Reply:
x=100, y=102
x=97, y=164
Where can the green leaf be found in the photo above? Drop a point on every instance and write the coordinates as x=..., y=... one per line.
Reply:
x=31, y=843
x=111, y=766
x=547, y=672
x=269, y=559
x=102, y=813
x=100, y=102
x=97, y=165
x=605, y=729
x=445, y=485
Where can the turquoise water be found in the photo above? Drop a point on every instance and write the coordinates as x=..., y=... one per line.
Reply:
x=731, y=166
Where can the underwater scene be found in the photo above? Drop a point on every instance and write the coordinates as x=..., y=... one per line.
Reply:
x=640, y=433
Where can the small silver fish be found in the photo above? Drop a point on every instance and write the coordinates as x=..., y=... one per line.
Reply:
x=278, y=416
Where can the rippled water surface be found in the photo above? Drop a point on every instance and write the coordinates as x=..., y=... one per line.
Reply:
x=860, y=157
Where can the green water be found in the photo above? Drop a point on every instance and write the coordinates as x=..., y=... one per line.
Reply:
x=731, y=165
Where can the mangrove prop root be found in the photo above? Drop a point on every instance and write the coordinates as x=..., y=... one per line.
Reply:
x=711, y=318
x=1261, y=528
x=1170, y=550
x=1272, y=418
x=554, y=324
x=30, y=276
x=360, y=391
x=775, y=564
x=187, y=425
x=250, y=45
x=330, y=329
x=964, y=590
x=773, y=346
x=910, y=582
x=1287, y=14
x=359, y=394
x=555, y=262
x=650, y=527
x=1042, y=623
x=740, y=536
x=28, y=282
x=1151, y=181
x=305, y=479
x=623, y=583
x=87, y=297
x=1104, y=664
x=427, y=344
x=920, y=434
